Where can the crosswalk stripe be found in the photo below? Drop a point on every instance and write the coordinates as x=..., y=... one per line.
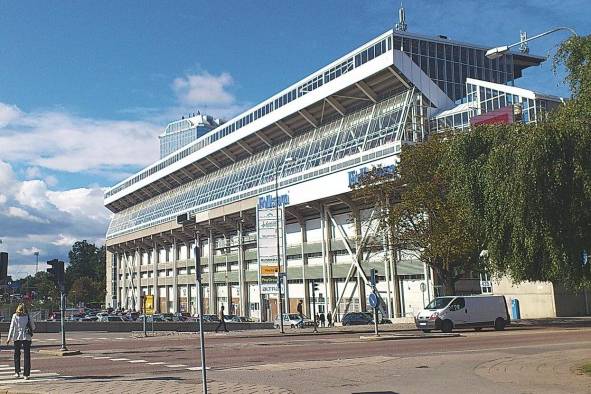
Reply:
x=12, y=372
x=195, y=368
x=121, y=339
x=176, y=365
x=157, y=363
x=100, y=358
x=119, y=359
x=34, y=378
x=138, y=361
x=103, y=338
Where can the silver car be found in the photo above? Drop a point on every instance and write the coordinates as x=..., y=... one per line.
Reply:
x=292, y=320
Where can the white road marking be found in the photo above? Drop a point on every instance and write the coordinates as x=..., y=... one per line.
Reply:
x=35, y=378
x=195, y=368
x=12, y=372
x=157, y=363
x=119, y=359
x=103, y=338
x=121, y=339
x=138, y=361
x=100, y=357
x=175, y=365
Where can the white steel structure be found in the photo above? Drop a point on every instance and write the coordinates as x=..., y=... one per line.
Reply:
x=316, y=137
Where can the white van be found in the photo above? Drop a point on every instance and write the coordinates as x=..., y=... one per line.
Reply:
x=447, y=313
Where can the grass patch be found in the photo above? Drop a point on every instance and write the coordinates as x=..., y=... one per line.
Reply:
x=586, y=369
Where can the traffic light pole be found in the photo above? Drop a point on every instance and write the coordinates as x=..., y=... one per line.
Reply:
x=200, y=312
x=63, y=311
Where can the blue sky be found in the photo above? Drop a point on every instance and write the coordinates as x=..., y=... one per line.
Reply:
x=85, y=87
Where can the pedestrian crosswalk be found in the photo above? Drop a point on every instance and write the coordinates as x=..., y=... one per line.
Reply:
x=142, y=361
x=7, y=376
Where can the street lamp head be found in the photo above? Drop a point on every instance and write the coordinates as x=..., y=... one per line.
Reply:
x=496, y=52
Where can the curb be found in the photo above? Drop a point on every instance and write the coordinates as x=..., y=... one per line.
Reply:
x=60, y=353
x=397, y=337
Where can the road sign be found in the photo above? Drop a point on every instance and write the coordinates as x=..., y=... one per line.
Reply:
x=373, y=300
x=423, y=287
x=148, y=304
x=268, y=270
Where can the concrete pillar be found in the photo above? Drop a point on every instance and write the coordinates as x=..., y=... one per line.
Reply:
x=175, y=293
x=361, y=294
x=304, y=240
x=244, y=309
x=211, y=266
x=136, y=281
x=394, y=265
x=155, y=262
x=329, y=264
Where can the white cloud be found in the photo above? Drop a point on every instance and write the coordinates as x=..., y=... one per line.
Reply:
x=29, y=251
x=51, y=180
x=80, y=202
x=65, y=142
x=64, y=240
x=32, y=194
x=20, y=213
x=33, y=172
x=204, y=89
x=8, y=114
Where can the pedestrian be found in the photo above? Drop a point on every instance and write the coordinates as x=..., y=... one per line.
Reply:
x=222, y=321
x=321, y=320
x=300, y=310
x=329, y=319
x=21, y=331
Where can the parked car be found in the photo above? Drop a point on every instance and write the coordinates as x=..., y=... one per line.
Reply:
x=357, y=318
x=211, y=318
x=242, y=319
x=110, y=318
x=447, y=313
x=150, y=318
x=291, y=320
x=229, y=318
x=89, y=318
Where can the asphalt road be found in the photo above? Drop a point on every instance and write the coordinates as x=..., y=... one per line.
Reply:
x=520, y=360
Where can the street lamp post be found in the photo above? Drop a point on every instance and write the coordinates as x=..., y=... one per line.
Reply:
x=494, y=53
x=36, y=262
x=279, y=278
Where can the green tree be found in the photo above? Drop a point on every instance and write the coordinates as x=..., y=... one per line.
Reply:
x=86, y=290
x=422, y=212
x=527, y=188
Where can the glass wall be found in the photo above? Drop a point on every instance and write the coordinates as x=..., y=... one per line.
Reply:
x=449, y=64
x=372, y=127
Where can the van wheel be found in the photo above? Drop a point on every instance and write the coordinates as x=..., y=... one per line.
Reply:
x=447, y=326
x=500, y=324
x=426, y=331
x=477, y=328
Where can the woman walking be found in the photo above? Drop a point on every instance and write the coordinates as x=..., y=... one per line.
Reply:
x=21, y=331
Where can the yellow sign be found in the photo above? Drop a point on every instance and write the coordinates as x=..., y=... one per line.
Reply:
x=268, y=270
x=149, y=304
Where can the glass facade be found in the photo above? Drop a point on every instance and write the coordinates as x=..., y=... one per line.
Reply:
x=375, y=48
x=482, y=98
x=449, y=64
x=185, y=131
x=366, y=130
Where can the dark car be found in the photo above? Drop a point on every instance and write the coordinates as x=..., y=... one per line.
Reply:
x=357, y=319
x=211, y=318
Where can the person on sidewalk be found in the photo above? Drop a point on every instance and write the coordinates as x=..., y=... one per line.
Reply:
x=222, y=321
x=329, y=319
x=322, y=320
x=21, y=331
x=300, y=309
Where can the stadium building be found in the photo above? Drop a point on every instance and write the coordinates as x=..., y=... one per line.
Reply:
x=272, y=186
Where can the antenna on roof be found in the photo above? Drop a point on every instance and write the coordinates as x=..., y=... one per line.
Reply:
x=401, y=25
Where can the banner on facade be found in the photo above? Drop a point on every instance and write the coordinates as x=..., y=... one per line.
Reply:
x=148, y=304
x=270, y=239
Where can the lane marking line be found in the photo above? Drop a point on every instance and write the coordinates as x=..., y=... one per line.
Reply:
x=119, y=359
x=137, y=361
x=100, y=357
x=157, y=363
x=175, y=366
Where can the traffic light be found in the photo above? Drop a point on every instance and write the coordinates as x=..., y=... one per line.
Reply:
x=373, y=277
x=314, y=287
x=197, y=254
x=56, y=273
